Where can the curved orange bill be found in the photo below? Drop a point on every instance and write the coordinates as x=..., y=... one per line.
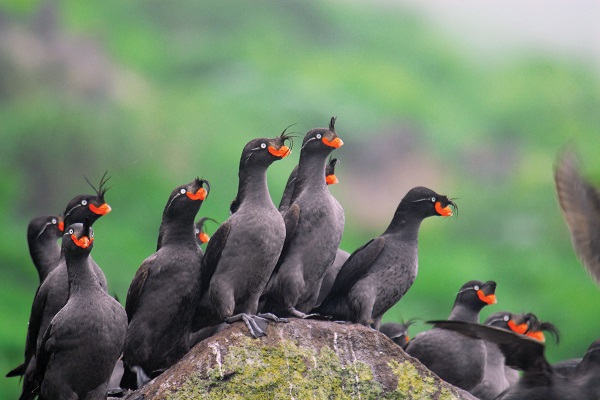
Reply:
x=443, y=211
x=199, y=195
x=102, y=210
x=521, y=328
x=537, y=335
x=488, y=299
x=61, y=226
x=84, y=242
x=203, y=237
x=282, y=152
x=335, y=143
x=331, y=179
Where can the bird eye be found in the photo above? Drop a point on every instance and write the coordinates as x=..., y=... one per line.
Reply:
x=197, y=231
x=318, y=136
x=54, y=221
x=263, y=145
x=506, y=318
x=476, y=287
x=84, y=202
x=91, y=235
x=182, y=191
x=71, y=231
x=433, y=199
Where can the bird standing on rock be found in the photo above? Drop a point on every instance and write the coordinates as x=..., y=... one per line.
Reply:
x=243, y=251
x=79, y=349
x=455, y=358
x=378, y=274
x=162, y=297
x=52, y=294
x=314, y=224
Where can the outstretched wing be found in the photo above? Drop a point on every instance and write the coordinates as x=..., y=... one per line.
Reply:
x=580, y=204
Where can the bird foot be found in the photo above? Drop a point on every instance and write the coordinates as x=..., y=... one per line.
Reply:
x=272, y=317
x=255, y=324
x=300, y=314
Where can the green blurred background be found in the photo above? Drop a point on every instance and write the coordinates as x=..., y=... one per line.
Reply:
x=430, y=94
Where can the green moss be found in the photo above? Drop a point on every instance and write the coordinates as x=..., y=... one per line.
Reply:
x=284, y=371
x=413, y=385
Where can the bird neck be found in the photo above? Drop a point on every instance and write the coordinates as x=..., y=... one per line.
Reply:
x=45, y=253
x=82, y=278
x=176, y=231
x=465, y=312
x=253, y=186
x=406, y=222
x=311, y=172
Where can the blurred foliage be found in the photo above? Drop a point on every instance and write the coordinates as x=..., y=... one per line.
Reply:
x=158, y=93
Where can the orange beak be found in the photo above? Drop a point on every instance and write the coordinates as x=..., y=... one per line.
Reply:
x=282, y=152
x=203, y=237
x=102, y=210
x=331, y=179
x=199, y=195
x=488, y=299
x=443, y=211
x=537, y=335
x=84, y=242
x=335, y=143
x=521, y=328
x=61, y=226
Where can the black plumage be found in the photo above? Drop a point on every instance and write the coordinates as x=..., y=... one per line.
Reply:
x=455, y=358
x=79, y=349
x=580, y=205
x=314, y=224
x=163, y=294
x=540, y=381
x=52, y=294
x=378, y=274
x=42, y=238
x=243, y=251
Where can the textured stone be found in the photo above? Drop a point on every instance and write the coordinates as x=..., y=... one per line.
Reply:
x=303, y=359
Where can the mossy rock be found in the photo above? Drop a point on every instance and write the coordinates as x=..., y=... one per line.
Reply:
x=303, y=359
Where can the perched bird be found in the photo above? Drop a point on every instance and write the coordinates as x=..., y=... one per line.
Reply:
x=341, y=256
x=580, y=205
x=314, y=224
x=397, y=332
x=52, y=294
x=79, y=349
x=455, y=358
x=378, y=274
x=162, y=297
x=243, y=251
x=540, y=381
x=201, y=234
x=42, y=237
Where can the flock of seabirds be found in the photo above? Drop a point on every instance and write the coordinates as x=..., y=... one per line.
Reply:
x=266, y=264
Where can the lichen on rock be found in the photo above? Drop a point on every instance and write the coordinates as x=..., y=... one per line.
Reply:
x=303, y=359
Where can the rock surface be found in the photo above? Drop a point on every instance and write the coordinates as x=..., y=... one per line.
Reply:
x=303, y=359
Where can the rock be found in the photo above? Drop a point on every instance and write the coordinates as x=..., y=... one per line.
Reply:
x=303, y=359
